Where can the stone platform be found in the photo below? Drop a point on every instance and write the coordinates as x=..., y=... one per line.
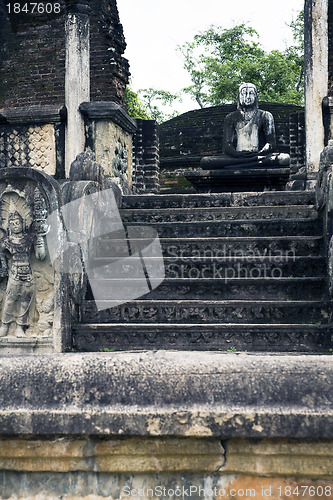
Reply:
x=123, y=425
x=183, y=394
x=230, y=180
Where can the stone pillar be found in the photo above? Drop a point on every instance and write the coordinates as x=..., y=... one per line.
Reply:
x=146, y=157
x=138, y=161
x=77, y=78
x=316, y=78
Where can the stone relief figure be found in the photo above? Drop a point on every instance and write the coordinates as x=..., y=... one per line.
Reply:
x=119, y=164
x=23, y=234
x=45, y=308
x=44, y=303
x=249, y=136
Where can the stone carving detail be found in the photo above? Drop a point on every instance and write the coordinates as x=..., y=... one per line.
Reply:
x=24, y=230
x=255, y=337
x=119, y=164
x=44, y=304
x=26, y=274
x=218, y=215
x=33, y=146
x=207, y=313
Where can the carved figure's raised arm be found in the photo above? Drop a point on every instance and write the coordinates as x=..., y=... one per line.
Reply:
x=269, y=132
x=229, y=137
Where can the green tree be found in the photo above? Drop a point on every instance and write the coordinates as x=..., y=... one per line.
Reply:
x=153, y=100
x=135, y=107
x=297, y=26
x=218, y=60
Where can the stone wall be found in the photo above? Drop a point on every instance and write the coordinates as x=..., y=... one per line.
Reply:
x=189, y=468
x=60, y=60
x=109, y=70
x=32, y=58
x=298, y=176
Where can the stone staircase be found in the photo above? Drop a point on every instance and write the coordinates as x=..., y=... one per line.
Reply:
x=243, y=271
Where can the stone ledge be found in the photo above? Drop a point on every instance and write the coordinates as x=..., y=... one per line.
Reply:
x=103, y=110
x=271, y=457
x=33, y=114
x=196, y=394
x=132, y=455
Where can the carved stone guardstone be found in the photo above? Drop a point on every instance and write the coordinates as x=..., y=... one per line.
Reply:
x=34, y=307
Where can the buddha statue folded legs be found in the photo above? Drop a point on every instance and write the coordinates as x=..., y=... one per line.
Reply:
x=259, y=161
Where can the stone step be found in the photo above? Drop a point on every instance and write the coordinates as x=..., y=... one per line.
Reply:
x=222, y=268
x=221, y=337
x=205, y=311
x=218, y=214
x=313, y=288
x=275, y=227
x=219, y=200
x=224, y=246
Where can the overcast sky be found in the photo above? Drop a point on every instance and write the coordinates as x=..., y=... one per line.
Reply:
x=154, y=28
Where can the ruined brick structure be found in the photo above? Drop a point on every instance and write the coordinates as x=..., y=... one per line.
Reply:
x=33, y=56
x=51, y=64
x=108, y=68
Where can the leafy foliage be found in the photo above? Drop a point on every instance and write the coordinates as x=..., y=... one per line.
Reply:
x=153, y=98
x=146, y=104
x=218, y=60
x=135, y=107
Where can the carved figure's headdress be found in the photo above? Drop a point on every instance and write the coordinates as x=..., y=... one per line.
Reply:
x=12, y=206
x=15, y=215
x=243, y=85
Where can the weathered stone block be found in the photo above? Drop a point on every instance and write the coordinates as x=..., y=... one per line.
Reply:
x=109, y=132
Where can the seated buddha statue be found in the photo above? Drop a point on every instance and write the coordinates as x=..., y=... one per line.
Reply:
x=249, y=136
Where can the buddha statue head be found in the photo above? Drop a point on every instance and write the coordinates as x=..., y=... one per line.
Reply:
x=247, y=96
